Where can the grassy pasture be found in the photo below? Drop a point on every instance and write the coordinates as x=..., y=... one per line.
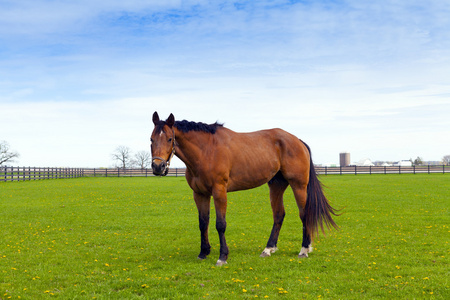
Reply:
x=130, y=238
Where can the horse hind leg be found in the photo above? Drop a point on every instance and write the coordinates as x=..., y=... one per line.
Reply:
x=300, y=194
x=306, y=243
x=277, y=186
x=220, y=204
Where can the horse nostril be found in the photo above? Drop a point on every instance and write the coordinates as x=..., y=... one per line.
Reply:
x=159, y=168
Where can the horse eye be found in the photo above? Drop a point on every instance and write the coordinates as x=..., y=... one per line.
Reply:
x=151, y=140
x=170, y=140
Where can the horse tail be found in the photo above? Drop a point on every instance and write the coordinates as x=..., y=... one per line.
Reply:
x=318, y=210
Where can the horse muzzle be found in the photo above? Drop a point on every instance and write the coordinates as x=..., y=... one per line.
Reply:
x=160, y=168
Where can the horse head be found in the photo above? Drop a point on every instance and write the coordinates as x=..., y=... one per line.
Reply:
x=162, y=144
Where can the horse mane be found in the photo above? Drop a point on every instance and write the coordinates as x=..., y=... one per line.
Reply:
x=186, y=126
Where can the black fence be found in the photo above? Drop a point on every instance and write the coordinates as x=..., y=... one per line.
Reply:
x=119, y=172
x=36, y=173
x=382, y=170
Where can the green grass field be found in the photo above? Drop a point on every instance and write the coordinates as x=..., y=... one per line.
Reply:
x=130, y=238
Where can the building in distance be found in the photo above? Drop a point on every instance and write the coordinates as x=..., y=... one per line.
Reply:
x=344, y=159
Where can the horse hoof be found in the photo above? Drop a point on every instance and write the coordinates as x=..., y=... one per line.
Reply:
x=203, y=256
x=221, y=263
x=304, y=252
x=268, y=251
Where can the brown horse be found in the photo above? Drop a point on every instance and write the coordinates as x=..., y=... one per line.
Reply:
x=219, y=160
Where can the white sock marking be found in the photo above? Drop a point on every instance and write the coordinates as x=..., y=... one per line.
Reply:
x=268, y=250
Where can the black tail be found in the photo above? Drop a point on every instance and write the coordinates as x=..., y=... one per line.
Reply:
x=318, y=210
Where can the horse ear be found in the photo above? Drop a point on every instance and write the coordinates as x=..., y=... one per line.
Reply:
x=155, y=118
x=170, y=121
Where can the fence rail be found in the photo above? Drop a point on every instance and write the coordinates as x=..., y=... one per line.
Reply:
x=382, y=170
x=37, y=173
x=119, y=172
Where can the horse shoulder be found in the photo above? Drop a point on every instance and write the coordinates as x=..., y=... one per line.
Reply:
x=196, y=183
x=204, y=179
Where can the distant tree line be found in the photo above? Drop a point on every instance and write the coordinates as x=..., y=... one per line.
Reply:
x=419, y=161
x=124, y=158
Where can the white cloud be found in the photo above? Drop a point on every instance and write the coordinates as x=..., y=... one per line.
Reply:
x=44, y=17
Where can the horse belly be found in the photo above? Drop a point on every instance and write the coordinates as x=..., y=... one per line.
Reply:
x=252, y=175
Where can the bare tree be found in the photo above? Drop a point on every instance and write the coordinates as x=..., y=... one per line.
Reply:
x=6, y=154
x=122, y=155
x=142, y=159
x=418, y=161
x=446, y=160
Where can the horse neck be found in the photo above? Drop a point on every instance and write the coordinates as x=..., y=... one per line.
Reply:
x=190, y=145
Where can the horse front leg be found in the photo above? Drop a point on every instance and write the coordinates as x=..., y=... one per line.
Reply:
x=203, y=206
x=220, y=204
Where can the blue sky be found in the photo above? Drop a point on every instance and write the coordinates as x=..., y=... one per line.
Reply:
x=79, y=78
